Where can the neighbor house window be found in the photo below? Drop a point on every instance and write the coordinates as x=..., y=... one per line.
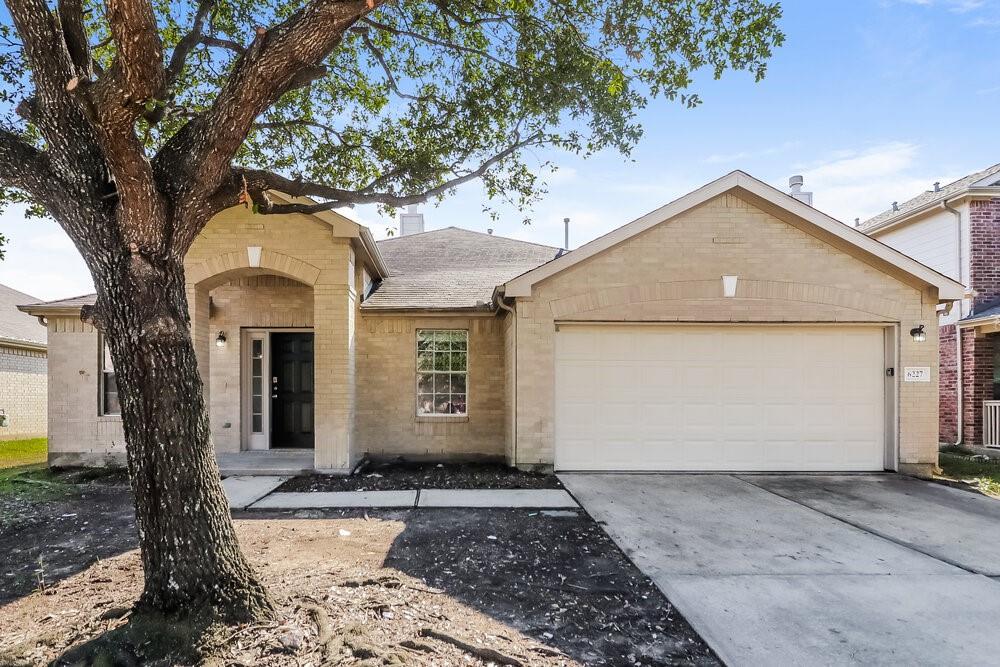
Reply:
x=109, y=384
x=442, y=372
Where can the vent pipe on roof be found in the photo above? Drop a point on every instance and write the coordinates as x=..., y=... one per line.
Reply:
x=566, y=241
x=411, y=222
x=795, y=190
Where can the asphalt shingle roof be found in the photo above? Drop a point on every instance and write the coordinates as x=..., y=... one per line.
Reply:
x=15, y=325
x=451, y=268
x=443, y=269
x=60, y=304
x=930, y=197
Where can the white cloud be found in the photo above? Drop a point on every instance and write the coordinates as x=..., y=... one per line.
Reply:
x=727, y=158
x=858, y=183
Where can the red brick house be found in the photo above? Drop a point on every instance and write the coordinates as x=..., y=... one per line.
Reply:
x=955, y=229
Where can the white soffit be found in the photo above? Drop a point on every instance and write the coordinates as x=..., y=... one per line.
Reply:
x=948, y=289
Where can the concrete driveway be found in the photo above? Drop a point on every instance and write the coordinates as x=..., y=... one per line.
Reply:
x=814, y=569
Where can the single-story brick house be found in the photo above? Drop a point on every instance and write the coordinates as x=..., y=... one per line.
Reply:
x=23, y=377
x=736, y=328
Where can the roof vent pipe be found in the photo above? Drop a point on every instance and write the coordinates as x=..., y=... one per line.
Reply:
x=795, y=189
x=566, y=241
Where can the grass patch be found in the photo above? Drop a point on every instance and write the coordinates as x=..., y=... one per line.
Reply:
x=15, y=453
x=985, y=474
x=33, y=483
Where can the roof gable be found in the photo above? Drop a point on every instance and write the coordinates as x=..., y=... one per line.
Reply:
x=758, y=193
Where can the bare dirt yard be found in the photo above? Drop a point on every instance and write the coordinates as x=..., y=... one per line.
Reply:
x=409, y=587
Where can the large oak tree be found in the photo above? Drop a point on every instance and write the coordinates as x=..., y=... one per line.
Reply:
x=131, y=123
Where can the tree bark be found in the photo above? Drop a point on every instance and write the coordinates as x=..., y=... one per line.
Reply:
x=190, y=554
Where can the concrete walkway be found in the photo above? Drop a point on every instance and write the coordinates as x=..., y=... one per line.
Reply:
x=500, y=498
x=244, y=491
x=810, y=569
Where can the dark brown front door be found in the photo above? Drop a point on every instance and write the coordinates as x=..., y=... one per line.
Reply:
x=292, y=390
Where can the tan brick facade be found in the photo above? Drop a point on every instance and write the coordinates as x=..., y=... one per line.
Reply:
x=77, y=432
x=301, y=272
x=387, y=419
x=672, y=273
x=23, y=392
x=260, y=302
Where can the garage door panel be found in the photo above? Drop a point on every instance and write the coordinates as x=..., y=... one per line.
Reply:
x=719, y=398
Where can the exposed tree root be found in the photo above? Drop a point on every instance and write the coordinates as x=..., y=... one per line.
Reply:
x=483, y=652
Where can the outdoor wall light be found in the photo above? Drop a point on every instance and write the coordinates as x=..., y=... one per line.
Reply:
x=220, y=340
x=918, y=335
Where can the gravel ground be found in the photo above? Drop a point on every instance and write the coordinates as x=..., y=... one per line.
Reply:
x=396, y=475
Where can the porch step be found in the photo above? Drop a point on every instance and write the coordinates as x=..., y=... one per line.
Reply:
x=281, y=463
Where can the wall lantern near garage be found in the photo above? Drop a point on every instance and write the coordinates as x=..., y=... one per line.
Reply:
x=220, y=340
x=918, y=335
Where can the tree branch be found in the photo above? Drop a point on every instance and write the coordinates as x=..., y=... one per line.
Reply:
x=22, y=166
x=380, y=57
x=75, y=35
x=259, y=182
x=400, y=32
x=196, y=160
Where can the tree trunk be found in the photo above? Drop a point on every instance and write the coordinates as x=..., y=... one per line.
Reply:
x=190, y=555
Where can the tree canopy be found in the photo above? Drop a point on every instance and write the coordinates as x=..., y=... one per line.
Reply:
x=414, y=99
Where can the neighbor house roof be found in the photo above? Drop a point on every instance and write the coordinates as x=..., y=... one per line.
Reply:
x=61, y=306
x=986, y=178
x=764, y=196
x=16, y=327
x=451, y=268
x=990, y=314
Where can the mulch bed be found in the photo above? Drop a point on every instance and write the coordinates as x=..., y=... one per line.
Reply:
x=399, y=475
x=448, y=587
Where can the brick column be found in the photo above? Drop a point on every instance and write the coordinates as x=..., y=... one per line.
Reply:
x=333, y=324
x=947, y=385
x=199, y=307
x=977, y=383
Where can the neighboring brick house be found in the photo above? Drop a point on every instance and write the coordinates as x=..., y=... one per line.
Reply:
x=955, y=229
x=736, y=328
x=23, y=378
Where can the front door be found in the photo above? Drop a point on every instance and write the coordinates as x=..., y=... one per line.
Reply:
x=292, y=390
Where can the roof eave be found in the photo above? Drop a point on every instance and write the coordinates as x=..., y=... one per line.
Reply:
x=907, y=216
x=34, y=346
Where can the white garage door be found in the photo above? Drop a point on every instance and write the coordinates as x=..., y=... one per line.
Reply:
x=782, y=398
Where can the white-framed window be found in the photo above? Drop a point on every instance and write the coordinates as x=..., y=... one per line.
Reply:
x=108, y=401
x=442, y=371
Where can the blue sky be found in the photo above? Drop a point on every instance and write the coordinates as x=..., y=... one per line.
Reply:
x=871, y=100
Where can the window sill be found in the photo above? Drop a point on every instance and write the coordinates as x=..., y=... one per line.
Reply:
x=109, y=418
x=455, y=419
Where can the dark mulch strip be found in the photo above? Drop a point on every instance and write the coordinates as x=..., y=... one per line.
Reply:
x=393, y=476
